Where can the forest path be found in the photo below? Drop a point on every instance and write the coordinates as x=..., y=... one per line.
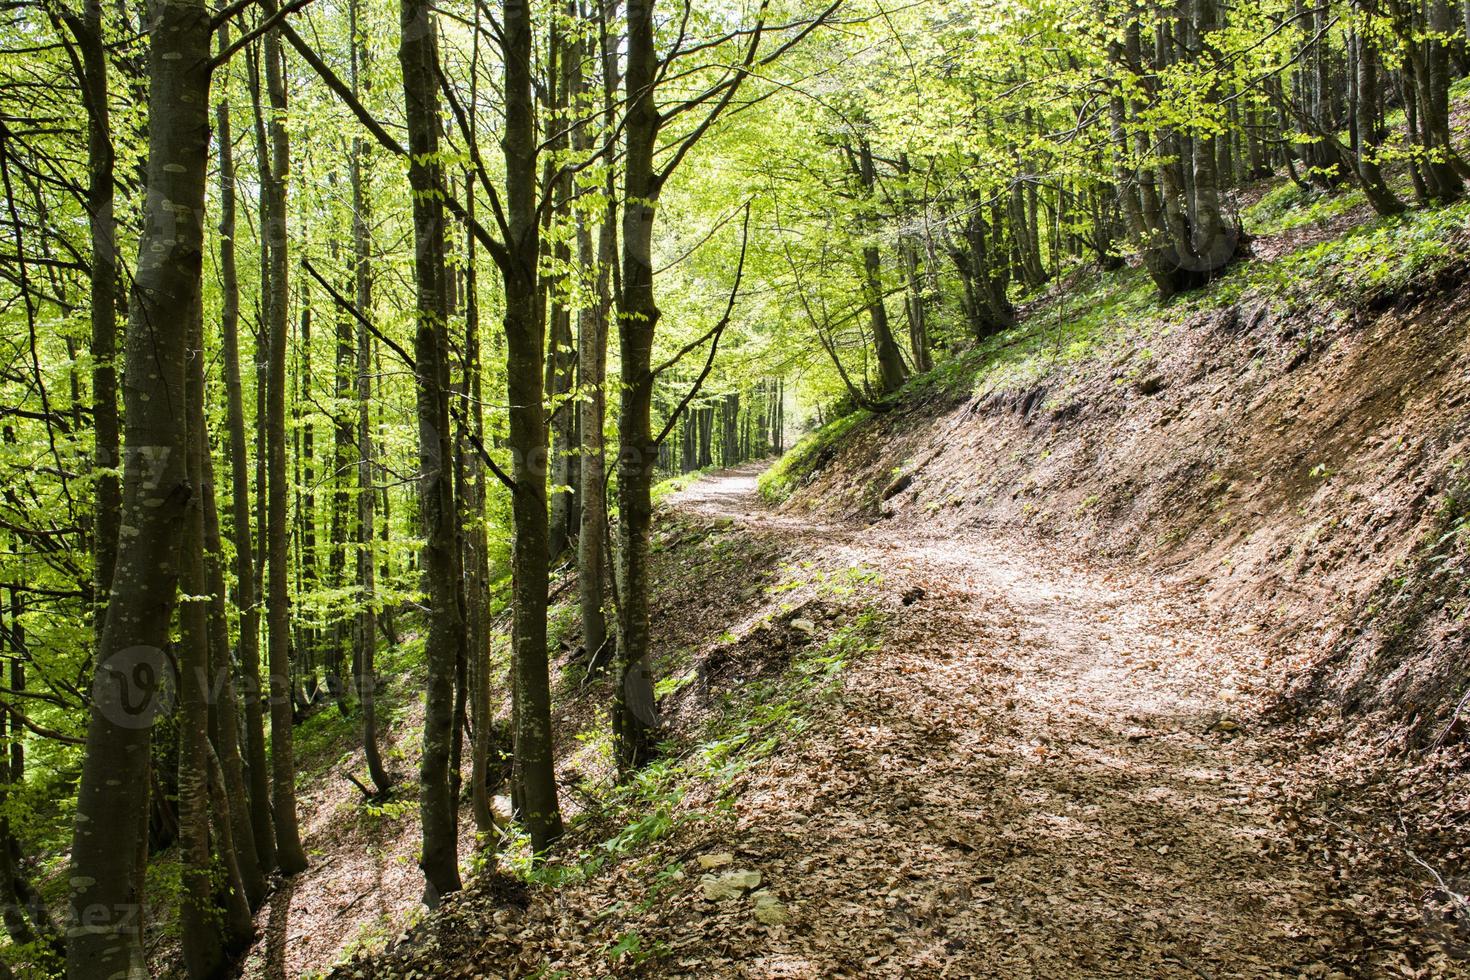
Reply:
x=1045, y=770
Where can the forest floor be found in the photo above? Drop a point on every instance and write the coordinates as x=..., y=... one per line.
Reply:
x=1035, y=768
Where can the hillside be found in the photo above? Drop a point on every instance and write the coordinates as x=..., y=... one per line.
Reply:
x=1130, y=643
x=796, y=488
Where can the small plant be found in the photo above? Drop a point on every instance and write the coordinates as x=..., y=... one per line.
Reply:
x=629, y=947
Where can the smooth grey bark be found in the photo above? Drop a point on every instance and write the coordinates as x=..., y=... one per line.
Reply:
x=104, y=937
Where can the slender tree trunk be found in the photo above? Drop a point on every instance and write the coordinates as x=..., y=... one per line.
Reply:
x=592, y=336
x=561, y=360
x=308, y=573
x=91, y=45
x=418, y=53
x=200, y=929
x=477, y=560
x=525, y=350
x=365, y=673
x=224, y=722
x=106, y=907
x=290, y=855
x=245, y=592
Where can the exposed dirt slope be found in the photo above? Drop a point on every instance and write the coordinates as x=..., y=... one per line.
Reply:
x=1034, y=768
x=1306, y=478
x=1290, y=466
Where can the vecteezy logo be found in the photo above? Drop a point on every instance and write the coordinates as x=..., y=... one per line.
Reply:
x=134, y=687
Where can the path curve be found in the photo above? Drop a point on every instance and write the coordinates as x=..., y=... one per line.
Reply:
x=1047, y=770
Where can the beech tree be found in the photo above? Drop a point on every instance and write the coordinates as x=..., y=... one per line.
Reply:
x=674, y=234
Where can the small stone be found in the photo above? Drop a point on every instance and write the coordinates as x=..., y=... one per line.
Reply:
x=804, y=626
x=768, y=909
x=710, y=861
x=1150, y=385
x=732, y=884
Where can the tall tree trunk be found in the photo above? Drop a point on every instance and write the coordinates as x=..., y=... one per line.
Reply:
x=592, y=332
x=339, y=526
x=525, y=350
x=1367, y=136
x=561, y=360
x=477, y=558
x=418, y=53
x=365, y=672
x=290, y=855
x=91, y=46
x=891, y=368
x=635, y=720
x=308, y=573
x=200, y=929
x=105, y=939
x=245, y=591
x=1213, y=244
x=224, y=721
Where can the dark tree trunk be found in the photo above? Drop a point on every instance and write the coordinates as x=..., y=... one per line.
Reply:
x=477, y=560
x=257, y=765
x=525, y=364
x=92, y=48
x=561, y=359
x=113, y=793
x=891, y=367
x=634, y=719
x=418, y=54
x=1366, y=133
x=290, y=855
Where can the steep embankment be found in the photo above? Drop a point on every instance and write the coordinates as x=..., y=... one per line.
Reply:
x=1060, y=668
x=914, y=754
x=1293, y=446
x=1288, y=467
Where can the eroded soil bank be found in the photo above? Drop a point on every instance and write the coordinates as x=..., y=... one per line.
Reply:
x=1023, y=765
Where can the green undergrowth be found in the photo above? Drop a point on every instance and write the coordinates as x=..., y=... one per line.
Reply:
x=811, y=453
x=1363, y=266
x=745, y=725
x=1117, y=314
x=1287, y=207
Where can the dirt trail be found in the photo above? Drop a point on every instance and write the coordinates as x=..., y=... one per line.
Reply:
x=1047, y=770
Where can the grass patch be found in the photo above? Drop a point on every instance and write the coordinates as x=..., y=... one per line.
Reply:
x=1060, y=331
x=811, y=453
